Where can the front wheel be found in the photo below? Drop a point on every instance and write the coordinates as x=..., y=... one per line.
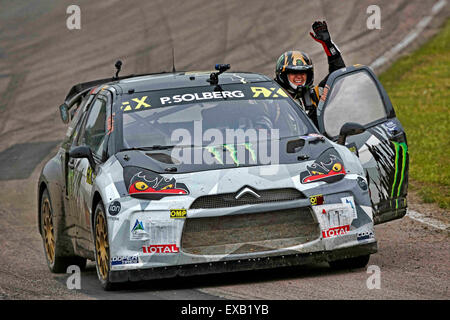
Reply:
x=350, y=263
x=102, y=256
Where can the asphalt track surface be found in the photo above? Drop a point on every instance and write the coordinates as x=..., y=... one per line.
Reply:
x=40, y=59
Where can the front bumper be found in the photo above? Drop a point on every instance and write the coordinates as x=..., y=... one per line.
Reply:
x=242, y=264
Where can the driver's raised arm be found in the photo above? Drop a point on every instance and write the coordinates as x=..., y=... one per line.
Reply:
x=322, y=36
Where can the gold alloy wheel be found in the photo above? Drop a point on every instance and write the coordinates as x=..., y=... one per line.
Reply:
x=49, y=236
x=101, y=244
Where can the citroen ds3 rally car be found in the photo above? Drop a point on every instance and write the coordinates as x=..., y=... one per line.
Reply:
x=182, y=173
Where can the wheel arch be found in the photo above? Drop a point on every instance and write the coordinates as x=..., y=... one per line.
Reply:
x=42, y=187
x=95, y=200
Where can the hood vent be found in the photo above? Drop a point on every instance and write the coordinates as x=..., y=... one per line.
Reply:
x=162, y=157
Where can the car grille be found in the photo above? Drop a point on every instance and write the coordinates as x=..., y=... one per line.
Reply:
x=227, y=200
x=245, y=233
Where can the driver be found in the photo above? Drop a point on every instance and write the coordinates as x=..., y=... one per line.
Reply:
x=295, y=71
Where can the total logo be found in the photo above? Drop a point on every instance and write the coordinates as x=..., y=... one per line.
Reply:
x=161, y=248
x=337, y=231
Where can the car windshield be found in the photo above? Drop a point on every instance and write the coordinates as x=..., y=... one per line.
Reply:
x=176, y=122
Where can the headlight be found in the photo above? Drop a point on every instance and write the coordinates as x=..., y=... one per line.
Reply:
x=328, y=167
x=146, y=184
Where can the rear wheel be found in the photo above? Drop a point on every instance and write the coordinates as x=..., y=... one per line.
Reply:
x=350, y=263
x=56, y=262
x=102, y=256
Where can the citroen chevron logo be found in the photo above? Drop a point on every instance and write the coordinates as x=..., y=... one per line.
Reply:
x=245, y=191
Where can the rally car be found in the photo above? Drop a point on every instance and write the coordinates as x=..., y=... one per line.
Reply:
x=185, y=173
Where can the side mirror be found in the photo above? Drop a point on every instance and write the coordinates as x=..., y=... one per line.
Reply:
x=83, y=152
x=349, y=129
x=64, y=112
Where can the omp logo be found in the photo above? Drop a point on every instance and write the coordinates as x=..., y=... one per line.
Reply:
x=333, y=232
x=268, y=92
x=161, y=248
x=316, y=200
x=178, y=213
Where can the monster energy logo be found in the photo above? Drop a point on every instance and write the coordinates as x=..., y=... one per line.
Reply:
x=233, y=152
x=401, y=150
x=220, y=146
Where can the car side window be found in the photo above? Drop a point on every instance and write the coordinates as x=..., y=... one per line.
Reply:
x=94, y=132
x=78, y=118
x=353, y=98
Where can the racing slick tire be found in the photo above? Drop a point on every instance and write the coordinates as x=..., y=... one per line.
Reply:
x=350, y=263
x=102, y=256
x=56, y=261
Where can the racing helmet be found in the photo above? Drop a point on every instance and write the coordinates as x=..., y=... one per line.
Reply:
x=291, y=62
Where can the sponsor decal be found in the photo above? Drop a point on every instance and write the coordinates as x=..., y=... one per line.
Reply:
x=337, y=231
x=139, y=231
x=390, y=127
x=178, y=213
x=198, y=96
x=391, y=170
x=362, y=183
x=353, y=148
x=351, y=202
x=401, y=150
x=328, y=167
x=268, y=92
x=317, y=200
x=333, y=215
x=90, y=176
x=138, y=226
x=124, y=260
x=366, y=235
x=135, y=104
x=114, y=208
x=155, y=231
x=232, y=149
x=161, y=248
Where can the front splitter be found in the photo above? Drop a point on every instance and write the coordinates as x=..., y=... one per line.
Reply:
x=242, y=264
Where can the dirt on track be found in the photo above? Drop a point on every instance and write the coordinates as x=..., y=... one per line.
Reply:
x=40, y=59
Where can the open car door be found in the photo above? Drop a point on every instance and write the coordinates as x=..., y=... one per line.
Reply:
x=354, y=94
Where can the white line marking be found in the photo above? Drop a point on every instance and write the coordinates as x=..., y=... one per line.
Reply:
x=429, y=221
x=388, y=55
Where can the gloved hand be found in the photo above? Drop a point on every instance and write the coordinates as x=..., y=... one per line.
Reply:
x=321, y=32
x=322, y=36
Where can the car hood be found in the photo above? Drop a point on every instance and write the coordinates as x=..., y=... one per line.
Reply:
x=196, y=159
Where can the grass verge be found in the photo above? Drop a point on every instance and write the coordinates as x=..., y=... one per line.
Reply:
x=419, y=87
